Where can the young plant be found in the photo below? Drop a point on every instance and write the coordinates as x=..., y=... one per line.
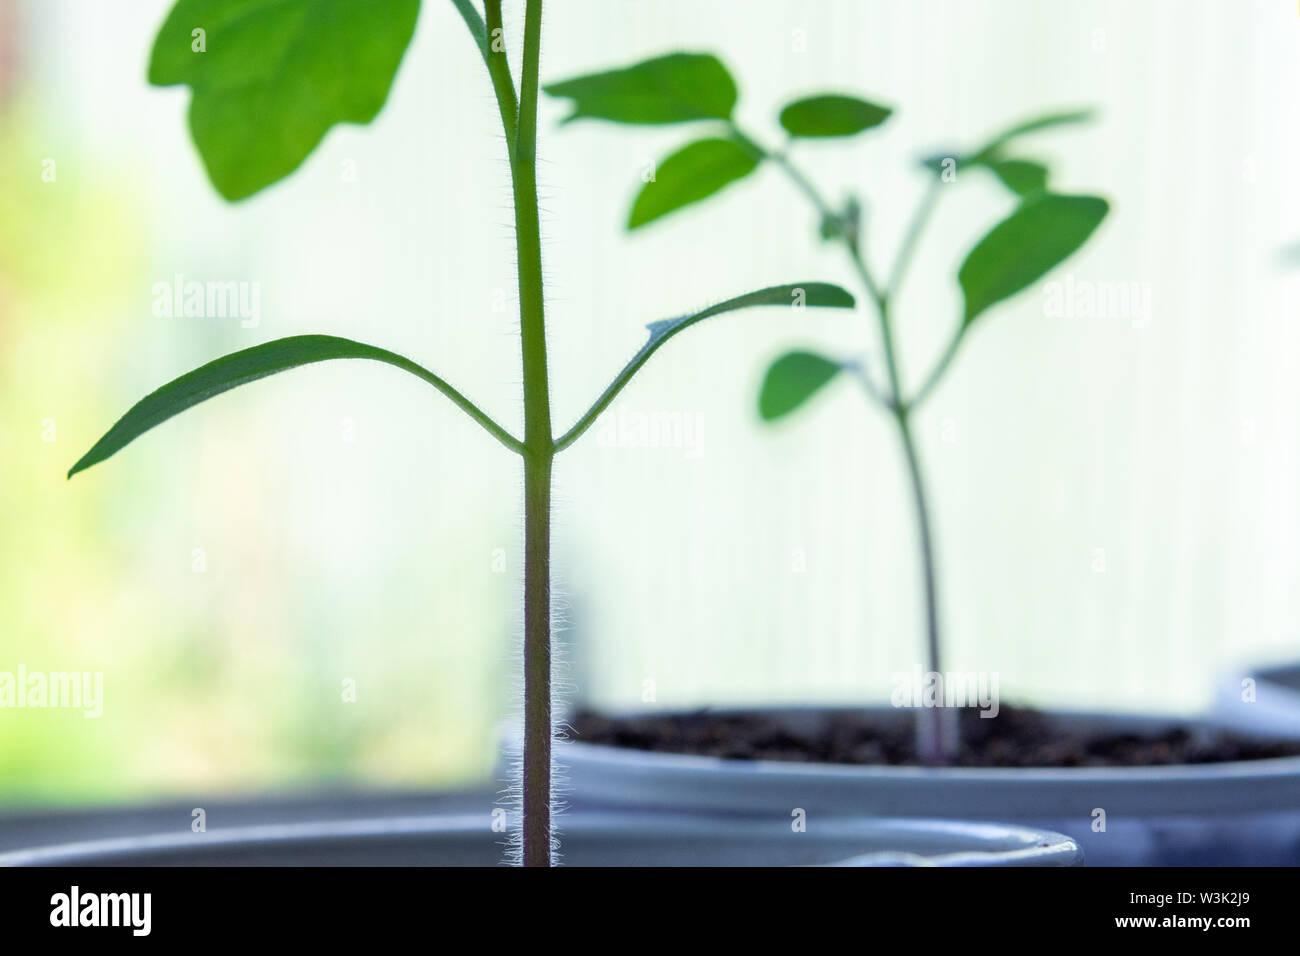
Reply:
x=255, y=118
x=1042, y=231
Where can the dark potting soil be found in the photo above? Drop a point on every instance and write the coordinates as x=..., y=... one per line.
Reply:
x=1016, y=737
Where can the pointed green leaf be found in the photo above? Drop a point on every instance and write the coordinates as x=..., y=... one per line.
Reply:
x=667, y=89
x=1044, y=231
x=989, y=152
x=832, y=115
x=270, y=77
x=1022, y=176
x=796, y=295
x=1031, y=126
x=791, y=380
x=694, y=172
x=240, y=368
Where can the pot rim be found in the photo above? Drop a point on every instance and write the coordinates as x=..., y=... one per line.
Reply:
x=1264, y=769
x=1010, y=844
x=1267, y=670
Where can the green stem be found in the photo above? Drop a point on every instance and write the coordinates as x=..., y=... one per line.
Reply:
x=467, y=406
x=937, y=738
x=914, y=229
x=537, y=661
x=476, y=28
x=937, y=729
x=804, y=184
x=539, y=451
x=882, y=316
x=528, y=239
x=499, y=69
x=519, y=122
x=940, y=367
x=905, y=254
x=824, y=210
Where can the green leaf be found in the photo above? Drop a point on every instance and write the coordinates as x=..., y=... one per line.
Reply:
x=791, y=380
x=667, y=89
x=694, y=172
x=1021, y=176
x=275, y=75
x=796, y=295
x=832, y=115
x=988, y=154
x=1034, y=125
x=240, y=368
x=1044, y=231
x=935, y=163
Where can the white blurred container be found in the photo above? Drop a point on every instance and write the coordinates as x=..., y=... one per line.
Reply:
x=1238, y=813
x=608, y=838
x=1275, y=709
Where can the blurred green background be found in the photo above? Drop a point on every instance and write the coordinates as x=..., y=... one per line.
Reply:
x=1115, y=498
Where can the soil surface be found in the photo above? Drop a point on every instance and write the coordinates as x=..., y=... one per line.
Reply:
x=1017, y=737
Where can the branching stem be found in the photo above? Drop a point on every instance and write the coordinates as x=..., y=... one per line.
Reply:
x=936, y=729
x=519, y=123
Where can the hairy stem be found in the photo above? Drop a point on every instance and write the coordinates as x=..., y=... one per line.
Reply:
x=494, y=53
x=528, y=241
x=539, y=449
x=477, y=29
x=519, y=122
x=537, y=661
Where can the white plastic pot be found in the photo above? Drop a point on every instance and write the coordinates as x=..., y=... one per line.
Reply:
x=586, y=838
x=1239, y=813
x=1274, y=706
